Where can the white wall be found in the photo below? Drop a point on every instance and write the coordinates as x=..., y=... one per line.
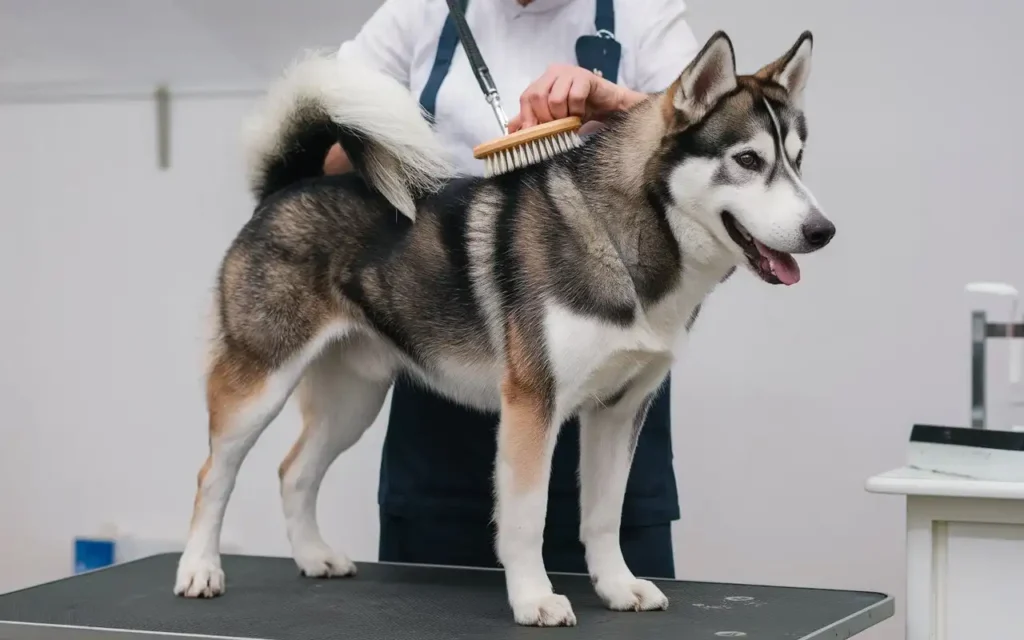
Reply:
x=789, y=399
x=100, y=45
x=785, y=401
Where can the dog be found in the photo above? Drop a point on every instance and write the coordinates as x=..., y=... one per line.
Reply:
x=556, y=290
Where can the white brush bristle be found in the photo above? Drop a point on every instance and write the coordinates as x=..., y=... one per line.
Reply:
x=532, y=152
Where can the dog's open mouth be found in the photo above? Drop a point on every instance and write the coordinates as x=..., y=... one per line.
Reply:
x=774, y=267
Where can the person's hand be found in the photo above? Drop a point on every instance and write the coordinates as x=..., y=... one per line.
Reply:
x=337, y=161
x=568, y=90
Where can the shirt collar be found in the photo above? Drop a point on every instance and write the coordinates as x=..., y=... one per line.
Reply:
x=513, y=8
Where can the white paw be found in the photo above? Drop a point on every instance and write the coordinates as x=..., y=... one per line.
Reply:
x=552, y=610
x=320, y=562
x=631, y=595
x=199, y=578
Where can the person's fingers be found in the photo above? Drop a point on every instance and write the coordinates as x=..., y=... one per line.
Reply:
x=558, y=97
x=578, y=94
x=516, y=123
x=591, y=127
x=526, y=115
x=538, y=97
x=605, y=97
x=539, y=106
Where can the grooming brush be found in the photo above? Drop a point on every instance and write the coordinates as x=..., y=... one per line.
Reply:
x=526, y=146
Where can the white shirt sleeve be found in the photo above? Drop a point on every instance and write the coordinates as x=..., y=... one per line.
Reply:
x=666, y=44
x=386, y=40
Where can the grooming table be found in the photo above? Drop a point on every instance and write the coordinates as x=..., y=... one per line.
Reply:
x=268, y=600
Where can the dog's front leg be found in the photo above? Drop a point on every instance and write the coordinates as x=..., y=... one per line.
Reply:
x=608, y=436
x=526, y=443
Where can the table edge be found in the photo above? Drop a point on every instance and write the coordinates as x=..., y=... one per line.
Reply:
x=50, y=631
x=892, y=483
x=858, y=622
x=847, y=627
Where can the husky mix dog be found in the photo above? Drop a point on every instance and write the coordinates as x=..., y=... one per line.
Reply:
x=551, y=291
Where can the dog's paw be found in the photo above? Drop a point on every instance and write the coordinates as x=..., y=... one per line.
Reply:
x=321, y=562
x=631, y=595
x=551, y=610
x=199, y=578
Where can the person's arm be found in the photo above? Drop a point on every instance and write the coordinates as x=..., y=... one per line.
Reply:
x=385, y=42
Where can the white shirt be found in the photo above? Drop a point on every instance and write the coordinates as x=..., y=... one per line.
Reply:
x=518, y=44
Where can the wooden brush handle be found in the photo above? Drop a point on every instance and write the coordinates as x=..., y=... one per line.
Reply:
x=529, y=134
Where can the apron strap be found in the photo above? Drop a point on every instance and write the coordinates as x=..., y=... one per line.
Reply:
x=601, y=52
x=446, y=46
x=604, y=18
x=604, y=22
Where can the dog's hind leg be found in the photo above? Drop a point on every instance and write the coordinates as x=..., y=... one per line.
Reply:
x=243, y=397
x=608, y=436
x=339, y=398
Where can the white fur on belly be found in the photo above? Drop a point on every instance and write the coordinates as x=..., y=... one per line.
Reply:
x=472, y=384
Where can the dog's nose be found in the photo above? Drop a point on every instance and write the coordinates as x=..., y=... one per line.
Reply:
x=819, y=232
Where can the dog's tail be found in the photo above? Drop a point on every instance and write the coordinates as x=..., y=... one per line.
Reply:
x=322, y=100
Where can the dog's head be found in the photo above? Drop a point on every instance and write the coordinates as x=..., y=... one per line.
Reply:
x=732, y=156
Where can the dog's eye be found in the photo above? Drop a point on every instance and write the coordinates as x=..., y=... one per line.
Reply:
x=749, y=160
x=799, y=159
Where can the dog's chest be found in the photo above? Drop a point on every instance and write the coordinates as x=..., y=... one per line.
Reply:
x=594, y=359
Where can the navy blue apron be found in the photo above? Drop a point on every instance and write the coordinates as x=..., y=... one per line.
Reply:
x=436, y=492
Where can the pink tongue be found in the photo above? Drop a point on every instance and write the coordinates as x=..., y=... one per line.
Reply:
x=781, y=264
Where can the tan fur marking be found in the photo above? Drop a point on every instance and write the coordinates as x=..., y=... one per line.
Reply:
x=199, y=489
x=308, y=417
x=668, y=108
x=231, y=381
x=525, y=416
x=759, y=87
x=293, y=453
x=771, y=70
x=228, y=384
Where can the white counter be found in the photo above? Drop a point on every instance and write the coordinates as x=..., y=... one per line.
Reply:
x=965, y=555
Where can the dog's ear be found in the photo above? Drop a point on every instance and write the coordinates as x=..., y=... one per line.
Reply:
x=792, y=69
x=709, y=77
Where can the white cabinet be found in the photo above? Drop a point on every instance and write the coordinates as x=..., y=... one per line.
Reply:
x=965, y=555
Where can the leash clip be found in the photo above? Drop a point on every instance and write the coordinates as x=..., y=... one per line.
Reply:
x=494, y=100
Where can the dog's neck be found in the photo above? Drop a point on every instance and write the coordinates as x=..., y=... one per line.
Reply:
x=624, y=148
x=638, y=209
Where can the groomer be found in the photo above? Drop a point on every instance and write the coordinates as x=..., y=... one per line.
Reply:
x=559, y=58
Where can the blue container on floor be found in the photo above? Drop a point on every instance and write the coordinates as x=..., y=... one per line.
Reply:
x=91, y=553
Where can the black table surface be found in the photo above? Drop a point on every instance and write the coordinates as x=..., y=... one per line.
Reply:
x=268, y=600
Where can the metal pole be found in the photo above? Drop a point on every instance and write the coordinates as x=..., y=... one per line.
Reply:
x=163, y=126
x=979, y=333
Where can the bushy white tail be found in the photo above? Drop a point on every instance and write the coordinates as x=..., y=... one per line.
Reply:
x=322, y=100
